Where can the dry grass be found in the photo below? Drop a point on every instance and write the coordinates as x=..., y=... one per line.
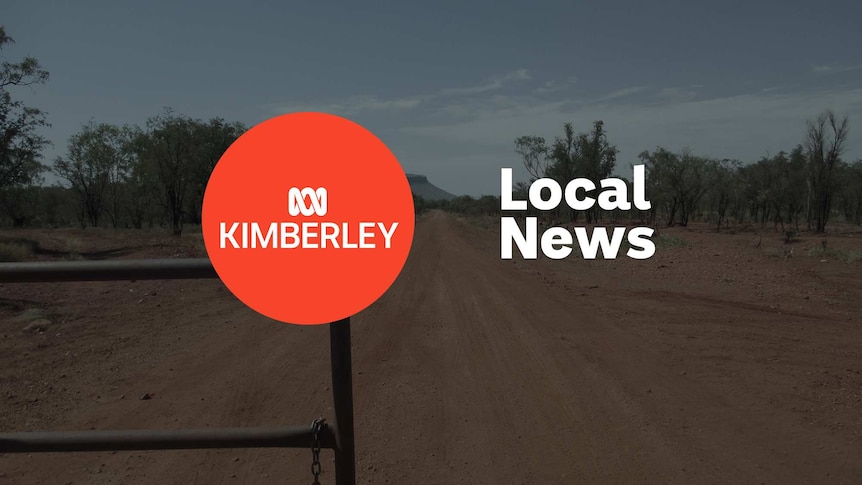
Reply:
x=837, y=254
x=16, y=249
x=30, y=315
x=665, y=241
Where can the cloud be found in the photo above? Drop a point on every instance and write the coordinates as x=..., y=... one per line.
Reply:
x=740, y=126
x=493, y=84
x=744, y=126
x=553, y=86
x=835, y=68
x=621, y=93
x=678, y=94
x=462, y=136
x=363, y=104
x=354, y=105
x=773, y=89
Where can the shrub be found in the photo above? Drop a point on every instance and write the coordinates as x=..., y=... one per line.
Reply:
x=14, y=250
x=665, y=241
x=844, y=255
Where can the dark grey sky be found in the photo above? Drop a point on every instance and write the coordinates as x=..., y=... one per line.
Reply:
x=448, y=85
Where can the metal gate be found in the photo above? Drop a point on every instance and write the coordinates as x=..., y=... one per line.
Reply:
x=338, y=437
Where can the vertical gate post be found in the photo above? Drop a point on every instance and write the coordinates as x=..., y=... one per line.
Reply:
x=342, y=395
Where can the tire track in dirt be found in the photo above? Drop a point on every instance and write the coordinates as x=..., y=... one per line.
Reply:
x=468, y=370
x=609, y=377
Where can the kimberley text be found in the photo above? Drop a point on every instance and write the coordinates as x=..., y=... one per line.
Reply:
x=309, y=203
x=546, y=194
x=306, y=235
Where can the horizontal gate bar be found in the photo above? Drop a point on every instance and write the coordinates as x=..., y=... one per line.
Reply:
x=111, y=270
x=54, y=441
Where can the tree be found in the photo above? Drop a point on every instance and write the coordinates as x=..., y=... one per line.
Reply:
x=143, y=190
x=169, y=147
x=662, y=182
x=534, y=155
x=824, y=143
x=722, y=175
x=587, y=155
x=96, y=166
x=775, y=187
x=677, y=182
x=20, y=144
x=20, y=202
x=564, y=154
x=851, y=195
x=212, y=139
x=176, y=154
x=597, y=159
x=694, y=184
x=56, y=205
x=794, y=188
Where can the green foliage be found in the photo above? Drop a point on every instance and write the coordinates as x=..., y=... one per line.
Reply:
x=97, y=165
x=15, y=250
x=534, y=155
x=180, y=153
x=723, y=177
x=56, y=207
x=486, y=205
x=20, y=204
x=845, y=255
x=824, y=144
x=775, y=188
x=663, y=241
x=585, y=155
x=20, y=143
x=167, y=148
x=212, y=139
x=784, y=189
x=156, y=174
x=850, y=191
x=678, y=182
x=144, y=176
x=467, y=205
x=30, y=314
x=420, y=205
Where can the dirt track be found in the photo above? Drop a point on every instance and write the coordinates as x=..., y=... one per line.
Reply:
x=476, y=370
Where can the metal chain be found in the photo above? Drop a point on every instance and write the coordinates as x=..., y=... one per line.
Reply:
x=316, y=426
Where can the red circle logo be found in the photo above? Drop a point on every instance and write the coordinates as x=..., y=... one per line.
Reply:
x=308, y=218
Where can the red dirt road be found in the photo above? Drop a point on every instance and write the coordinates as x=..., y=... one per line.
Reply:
x=707, y=364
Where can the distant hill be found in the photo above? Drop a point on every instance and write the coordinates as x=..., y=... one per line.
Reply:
x=421, y=187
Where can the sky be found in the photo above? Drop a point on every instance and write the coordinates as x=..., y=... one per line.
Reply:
x=449, y=85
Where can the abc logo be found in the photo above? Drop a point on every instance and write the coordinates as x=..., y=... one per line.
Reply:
x=316, y=201
x=315, y=260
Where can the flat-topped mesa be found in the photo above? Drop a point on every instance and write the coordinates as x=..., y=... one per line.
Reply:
x=412, y=177
x=421, y=187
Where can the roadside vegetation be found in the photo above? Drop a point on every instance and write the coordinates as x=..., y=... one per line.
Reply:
x=153, y=175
